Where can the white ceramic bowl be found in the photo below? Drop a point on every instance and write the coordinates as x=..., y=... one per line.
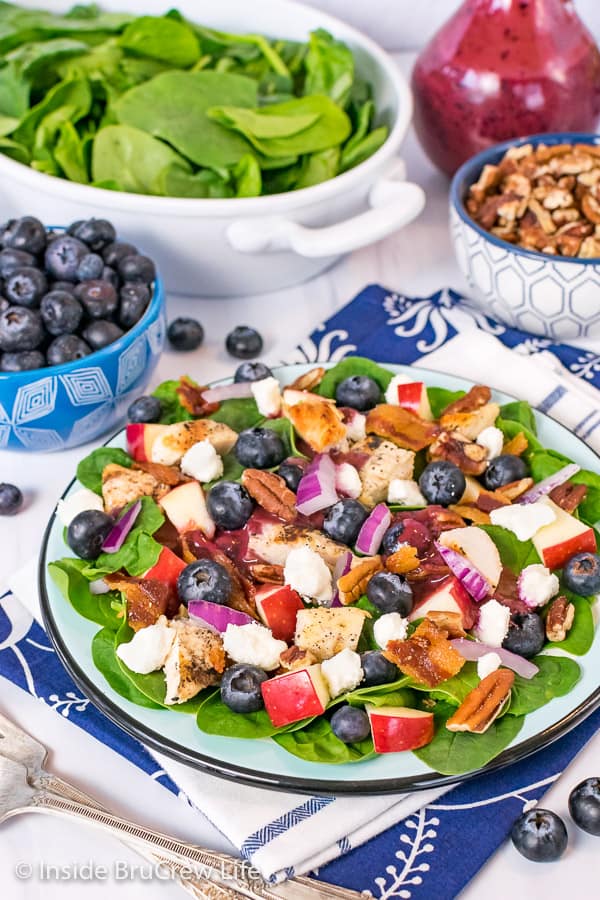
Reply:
x=247, y=245
x=554, y=296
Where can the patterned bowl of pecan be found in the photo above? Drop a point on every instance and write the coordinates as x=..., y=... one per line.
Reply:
x=525, y=221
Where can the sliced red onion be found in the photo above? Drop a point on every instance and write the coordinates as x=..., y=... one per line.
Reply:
x=375, y=526
x=548, y=484
x=316, y=489
x=216, y=616
x=234, y=391
x=99, y=586
x=342, y=567
x=474, y=650
x=474, y=582
x=117, y=534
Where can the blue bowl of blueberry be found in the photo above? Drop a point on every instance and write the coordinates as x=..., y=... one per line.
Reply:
x=82, y=327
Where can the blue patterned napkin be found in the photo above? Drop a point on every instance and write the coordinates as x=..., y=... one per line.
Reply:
x=422, y=856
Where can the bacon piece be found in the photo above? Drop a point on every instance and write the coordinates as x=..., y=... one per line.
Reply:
x=147, y=599
x=477, y=397
x=401, y=426
x=427, y=656
x=190, y=397
x=169, y=475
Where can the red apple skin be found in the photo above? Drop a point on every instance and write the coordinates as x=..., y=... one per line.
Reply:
x=463, y=603
x=140, y=437
x=409, y=395
x=555, y=557
x=278, y=607
x=392, y=734
x=166, y=568
x=290, y=698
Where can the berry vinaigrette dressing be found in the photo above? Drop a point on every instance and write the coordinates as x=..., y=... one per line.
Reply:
x=500, y=69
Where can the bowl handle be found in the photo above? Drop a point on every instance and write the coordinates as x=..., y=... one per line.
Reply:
x=393, y=203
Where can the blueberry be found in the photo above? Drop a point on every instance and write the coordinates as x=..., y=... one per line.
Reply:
x=581, y=574
x=109, y=274
x=134, y=298
x=137, y=268
x=90, y=267
x=350, y=724
x=540, y=835
x=584, y=805
x=503, y=470
x=4, y=304
x=259, y=448
x=100, y=333
x=526, y=634
x=20, y=329
x=229, y=505
x=26, y=287
x=390, y=593
x=244, y=342
x=291, y=474
x=24, y=361
x=251, y=371
x=96, y=233
x=26, y=234
x=67, y=286
x=113, y=253
x=240, y=688
x=407, y=531
x=11, y=499
x=14, y=259
x=442, y=483
x=98, y=298
x=61, y=313
x=87, y=532
x=377, y=669
x=63, y=256
x=204, y=580
x=344, y=520
x=66, y=348
x=185, y=334
x=359, y=392
x=145, y=409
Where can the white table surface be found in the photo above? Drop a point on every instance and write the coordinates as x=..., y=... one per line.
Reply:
x=417, y=261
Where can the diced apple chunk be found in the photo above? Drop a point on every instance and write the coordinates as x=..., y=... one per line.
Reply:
x=448, y=596
x=186, y=508
x=479, y=549
x=396, y=728
x=278, y=606
x=295, y=695
x=562, y=538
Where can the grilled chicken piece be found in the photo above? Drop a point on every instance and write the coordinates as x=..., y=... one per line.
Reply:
x=195, y=661
x=121, y=485
x=325, y=632
x=274, y=541
x=471, y=424
x=385, y=461
x=317, y=420
x=177, y=439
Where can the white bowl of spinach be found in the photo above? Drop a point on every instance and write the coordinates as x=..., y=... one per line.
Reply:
x=245, y=145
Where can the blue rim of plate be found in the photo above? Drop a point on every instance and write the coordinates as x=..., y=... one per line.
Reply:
x=234, y=772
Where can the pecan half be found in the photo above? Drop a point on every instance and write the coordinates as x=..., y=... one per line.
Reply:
x=510, y=492
x=559, y=620
x=467, y=455
x=271, y=492
x=450, y=621
x=427, y=656
x=309, y=381
x=296, y=658
x=266, y=573
x=353, y=584
x=471, y=512
x=568, y=495
x=404, y=559
x=169, y=475
x=483, y=704
x=478, y=396
x=190, y=397
x=516, y=445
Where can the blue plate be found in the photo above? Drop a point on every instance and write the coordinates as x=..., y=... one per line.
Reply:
x=262, y=762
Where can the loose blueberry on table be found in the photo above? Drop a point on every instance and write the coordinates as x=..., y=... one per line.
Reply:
x=11, y=499
x=185, y=334
x=540, y=835
x=244, y=343
x=289, y=591
x=584, y=805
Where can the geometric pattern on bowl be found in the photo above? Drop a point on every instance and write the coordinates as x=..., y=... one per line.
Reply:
x=554, y=298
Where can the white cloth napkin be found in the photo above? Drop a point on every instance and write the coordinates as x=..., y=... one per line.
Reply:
x=283, y=834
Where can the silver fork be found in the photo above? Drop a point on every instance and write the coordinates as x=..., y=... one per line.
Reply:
x=18, y=795
x=20, y=747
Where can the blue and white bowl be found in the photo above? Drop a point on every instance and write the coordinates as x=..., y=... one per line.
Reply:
x=554, y=296
x=63, y=406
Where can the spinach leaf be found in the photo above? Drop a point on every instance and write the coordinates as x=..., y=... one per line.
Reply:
x=581, y=635
x=247, y=177
x=329, y=67
x=179, y=102
x=14, y=92
x=69, y=154
x=316, y=742
x=89, y=470
x=238, y=414
x=556, y=677
x=440, y=398
x=318, y=167
x=301, y=125
x=71, y=100
x=14, y=150
x=515, y=554
x=353, y=365
x=520, y=411
x=176, y=181
x=510, y=429
x=171, y=406
x=133, y=160
x=361, y=150
x=393, y=694
x=453, y=690
x=140, y=551
x=457, y=752
x=162, y=38
x=105, y=660
x=68, y=575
